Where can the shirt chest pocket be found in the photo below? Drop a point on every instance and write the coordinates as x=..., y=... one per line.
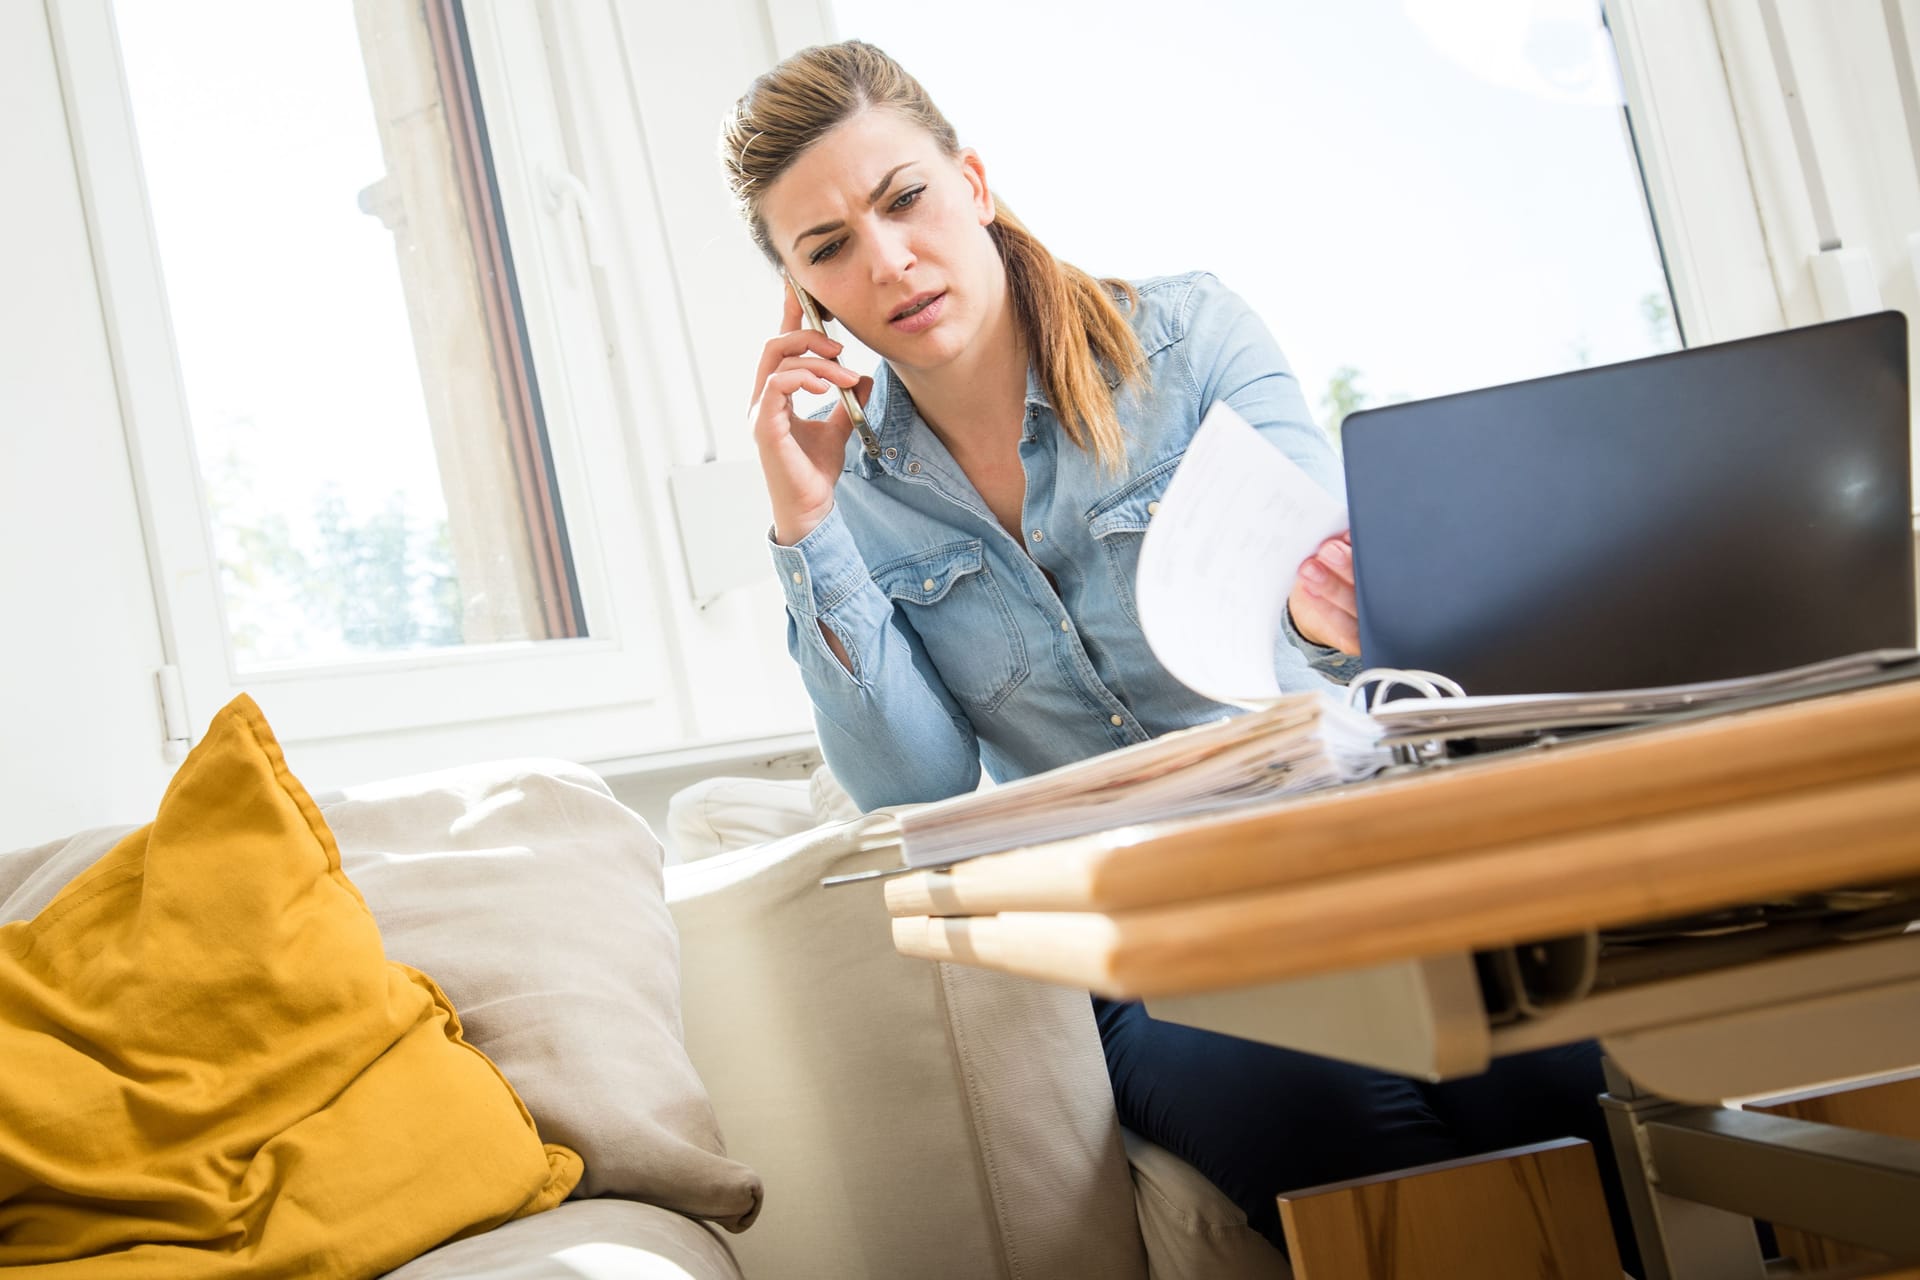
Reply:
x=950, y=598
x=1119, y=521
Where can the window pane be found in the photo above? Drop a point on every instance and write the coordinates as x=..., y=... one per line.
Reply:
x=1419, y=196
x=366, y=422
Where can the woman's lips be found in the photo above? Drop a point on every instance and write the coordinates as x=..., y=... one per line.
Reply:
x=925, y=318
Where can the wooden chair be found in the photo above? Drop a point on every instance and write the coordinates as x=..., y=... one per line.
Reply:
x=1891, y=1107
x=1529, y=1213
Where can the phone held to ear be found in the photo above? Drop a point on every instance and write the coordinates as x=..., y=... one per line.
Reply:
x=852, y=403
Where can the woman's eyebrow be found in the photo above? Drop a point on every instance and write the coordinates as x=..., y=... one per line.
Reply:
x=873, y=198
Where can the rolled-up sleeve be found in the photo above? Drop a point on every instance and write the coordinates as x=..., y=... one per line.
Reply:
x=889, y=728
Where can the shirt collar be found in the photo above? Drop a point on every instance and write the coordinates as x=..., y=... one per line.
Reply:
x=1036, y=394
x=891, y=414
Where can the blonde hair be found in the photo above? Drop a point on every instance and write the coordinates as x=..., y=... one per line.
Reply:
x=1071, y=324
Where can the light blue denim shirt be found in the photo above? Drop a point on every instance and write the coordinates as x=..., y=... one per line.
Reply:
x=963, y=652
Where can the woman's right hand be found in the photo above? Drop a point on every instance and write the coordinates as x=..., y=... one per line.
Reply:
x=802, y=458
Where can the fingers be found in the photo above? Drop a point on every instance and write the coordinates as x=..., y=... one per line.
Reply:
x=1324, y=603
x=773, y=412
x=798, y=342
x=792, y=315
x=1320, y=620
x=1325, y=584
x=1336, y=555
x=786, y=383
x=832, y=371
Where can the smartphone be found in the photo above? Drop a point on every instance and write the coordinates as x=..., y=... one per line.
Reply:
x=847, y=398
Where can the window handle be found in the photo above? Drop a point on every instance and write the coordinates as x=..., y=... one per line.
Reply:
x=565, y=189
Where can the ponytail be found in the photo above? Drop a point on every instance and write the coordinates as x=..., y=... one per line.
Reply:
x=1076, y=335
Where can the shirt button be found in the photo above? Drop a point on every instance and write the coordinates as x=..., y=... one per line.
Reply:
x=927, y=585
x=1038, y=534
x=913, y=468
x=797, y=575
x=1115, y=721
x=892, y=452
x=1065, y=625
x=1153, y=508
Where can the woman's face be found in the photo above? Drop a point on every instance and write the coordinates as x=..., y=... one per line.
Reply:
x=889, y=233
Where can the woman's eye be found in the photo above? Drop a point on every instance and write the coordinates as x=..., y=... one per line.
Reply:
x=907, y=198
x=824, y=252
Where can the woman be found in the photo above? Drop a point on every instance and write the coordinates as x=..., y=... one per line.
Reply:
x=960, y=591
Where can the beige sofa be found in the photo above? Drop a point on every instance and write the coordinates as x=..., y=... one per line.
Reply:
x=904, y=1118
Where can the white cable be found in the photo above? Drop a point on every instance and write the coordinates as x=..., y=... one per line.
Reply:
x=1381, y=680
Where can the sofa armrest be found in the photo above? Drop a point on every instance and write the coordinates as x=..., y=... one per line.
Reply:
x=906, y=1118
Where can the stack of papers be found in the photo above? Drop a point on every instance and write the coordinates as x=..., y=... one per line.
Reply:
x=1303, y=742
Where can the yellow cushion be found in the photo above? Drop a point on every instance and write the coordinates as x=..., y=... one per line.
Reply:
x=208, y=1067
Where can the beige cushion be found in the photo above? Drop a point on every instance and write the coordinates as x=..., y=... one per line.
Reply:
x=716, y=815
x=831, y=803
x=719, y=815
x=29, y=878
x=1189, y=1225
x=534, y=898
x=584, y=1240
x=910, y=1119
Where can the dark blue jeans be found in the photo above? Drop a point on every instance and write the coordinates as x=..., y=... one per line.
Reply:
x=1259, y=1120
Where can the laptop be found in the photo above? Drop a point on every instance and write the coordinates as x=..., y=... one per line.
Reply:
x=1700, y=515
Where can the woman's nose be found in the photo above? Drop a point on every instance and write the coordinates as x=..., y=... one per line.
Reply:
x=893, y=257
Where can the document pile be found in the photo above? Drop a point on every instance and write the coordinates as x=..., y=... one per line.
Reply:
x=1303, y=742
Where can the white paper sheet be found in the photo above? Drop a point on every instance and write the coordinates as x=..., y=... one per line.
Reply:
x=1220, y=556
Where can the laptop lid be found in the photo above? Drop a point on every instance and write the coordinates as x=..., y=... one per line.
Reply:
x=1703, y=514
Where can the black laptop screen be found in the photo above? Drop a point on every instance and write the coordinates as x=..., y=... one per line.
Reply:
x=1708, y=513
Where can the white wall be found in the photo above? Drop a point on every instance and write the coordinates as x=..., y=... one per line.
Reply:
x=79, y=641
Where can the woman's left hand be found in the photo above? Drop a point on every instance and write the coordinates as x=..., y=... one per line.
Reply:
x=1322, y=601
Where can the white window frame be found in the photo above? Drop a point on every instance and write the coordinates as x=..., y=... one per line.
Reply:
x=600, y=696
x=1694, y=166
x=1724, y=178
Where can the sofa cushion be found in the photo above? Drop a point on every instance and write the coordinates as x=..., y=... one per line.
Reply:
x=535, y=898
x=585, y=1240
x=212, y=1069
x=831, y=803
x=910, y=1119
x=717, y=815
x=1189, y=1225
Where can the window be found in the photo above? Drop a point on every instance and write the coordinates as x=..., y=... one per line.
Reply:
x=363, y=370
x=354, y=364
x=1418, y=196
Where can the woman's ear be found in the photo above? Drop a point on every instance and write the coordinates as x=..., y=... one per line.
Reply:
x=976, y=175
